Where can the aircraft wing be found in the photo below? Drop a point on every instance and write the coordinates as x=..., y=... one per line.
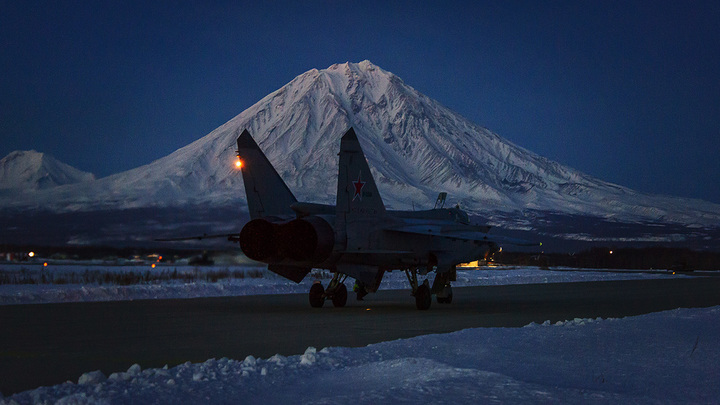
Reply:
x=229, y=236
x=470, y=233
x=504, y=240
x=376, y=252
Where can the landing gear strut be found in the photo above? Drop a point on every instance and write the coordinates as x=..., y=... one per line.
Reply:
x=445, y=296
x=422, y=294
x=441, y=287
x=336, y=292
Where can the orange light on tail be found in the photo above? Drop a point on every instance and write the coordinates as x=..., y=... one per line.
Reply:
x=238, y=164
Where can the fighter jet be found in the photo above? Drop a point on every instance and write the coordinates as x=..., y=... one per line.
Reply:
x=357, y=237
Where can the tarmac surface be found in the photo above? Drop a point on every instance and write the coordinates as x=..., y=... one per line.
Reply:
x=47, y=344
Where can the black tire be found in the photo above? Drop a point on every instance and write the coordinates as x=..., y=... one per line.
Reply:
x=448, y=299
x=423, y=297
x=316, y=295
x=339, y=298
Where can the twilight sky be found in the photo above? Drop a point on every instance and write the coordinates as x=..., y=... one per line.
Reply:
x=626, y=91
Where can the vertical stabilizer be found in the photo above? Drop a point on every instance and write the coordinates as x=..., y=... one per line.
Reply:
x=267, y=194
x=357, y=192
x=359, y=208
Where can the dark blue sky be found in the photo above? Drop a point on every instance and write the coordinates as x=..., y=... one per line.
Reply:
x=625, y=91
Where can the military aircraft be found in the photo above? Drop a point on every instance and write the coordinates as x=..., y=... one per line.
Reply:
x=357, y=237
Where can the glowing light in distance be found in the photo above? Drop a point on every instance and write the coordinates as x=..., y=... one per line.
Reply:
x=45, y=264
x=238, y=164
x=153, y=265
x=31, y=254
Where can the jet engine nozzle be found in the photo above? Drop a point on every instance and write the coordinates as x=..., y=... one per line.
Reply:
x=306, y=240
x=257, y=240
x=309, y=239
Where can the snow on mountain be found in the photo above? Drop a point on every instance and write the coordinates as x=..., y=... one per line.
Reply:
x=31, y=170
x=415, y=146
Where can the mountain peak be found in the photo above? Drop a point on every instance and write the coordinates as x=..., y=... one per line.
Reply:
x=32, y=170
x=29, y=155
x=416, y=148
x=364, y=66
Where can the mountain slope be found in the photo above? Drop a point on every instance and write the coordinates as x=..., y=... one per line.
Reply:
x=31, y=170
x=415, y=146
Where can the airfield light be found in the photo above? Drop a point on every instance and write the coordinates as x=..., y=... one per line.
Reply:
x=31, y=254
x=611, y=252
x=45, y=264
x=153, y=265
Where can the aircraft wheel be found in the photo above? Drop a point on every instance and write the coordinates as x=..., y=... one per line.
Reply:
x=423, y=297
x=339, y=298
x=316, y=295
x=447, y=299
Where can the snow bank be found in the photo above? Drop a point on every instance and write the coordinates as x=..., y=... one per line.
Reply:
x=667, y=357
x=269, y=283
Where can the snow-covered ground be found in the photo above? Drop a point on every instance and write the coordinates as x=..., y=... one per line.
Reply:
x=266, y=283
x=666, y=357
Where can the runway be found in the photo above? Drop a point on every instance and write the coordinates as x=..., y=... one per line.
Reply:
x=48, y=344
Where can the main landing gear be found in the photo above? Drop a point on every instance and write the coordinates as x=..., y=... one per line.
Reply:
x=441, y=287
x=445, y=295
x=336, y=292
x=423, y=293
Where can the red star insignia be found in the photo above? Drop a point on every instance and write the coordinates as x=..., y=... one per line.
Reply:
x=359, y=184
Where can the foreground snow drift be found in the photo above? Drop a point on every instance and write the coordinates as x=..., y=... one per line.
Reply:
x=667, y=357
x=267, y=283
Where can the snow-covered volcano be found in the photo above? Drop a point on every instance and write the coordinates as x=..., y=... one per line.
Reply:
x=416, y=147
x=31, y=170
